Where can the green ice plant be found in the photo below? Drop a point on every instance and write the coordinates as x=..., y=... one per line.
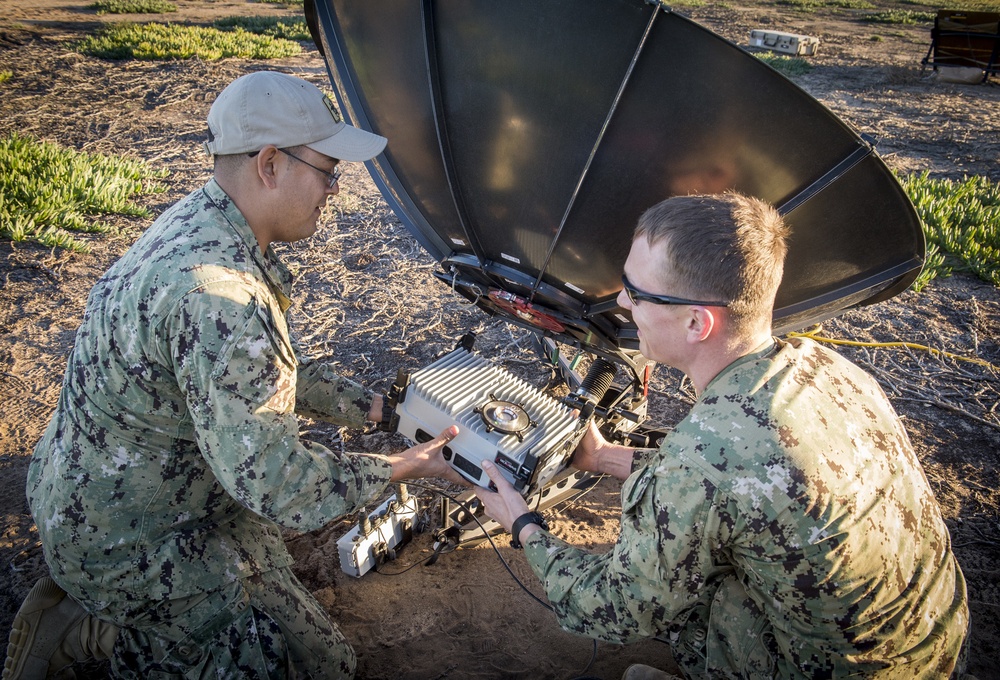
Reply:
x=48, y=192
x=133, y=6
x=961, y=221
x=288, y=28
x=898, y=16
x=788, y=66
x=853, y=4
x=803, y=5
x=173, y=41
x=966, y=5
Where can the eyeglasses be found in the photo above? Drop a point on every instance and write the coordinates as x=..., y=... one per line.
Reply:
x=635, y=296
x=331, y=177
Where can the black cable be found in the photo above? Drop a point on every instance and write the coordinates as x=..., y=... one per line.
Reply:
x=593, y=657
x=489, y=538
x=572, y=500
x=430, y=559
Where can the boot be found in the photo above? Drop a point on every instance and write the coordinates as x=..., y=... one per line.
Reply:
x=51, y=632
x=639, y=672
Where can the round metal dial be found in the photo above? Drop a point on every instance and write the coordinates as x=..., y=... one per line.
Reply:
x=504, y=416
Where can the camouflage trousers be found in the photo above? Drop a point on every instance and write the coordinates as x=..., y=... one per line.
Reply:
x=266, y=626
x=728, y=635
x=725, y=630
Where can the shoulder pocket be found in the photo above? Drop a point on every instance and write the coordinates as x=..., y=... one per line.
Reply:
x=634, y=488
x=256, y=362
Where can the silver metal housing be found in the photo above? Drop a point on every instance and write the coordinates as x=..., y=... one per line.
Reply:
x=455, y=388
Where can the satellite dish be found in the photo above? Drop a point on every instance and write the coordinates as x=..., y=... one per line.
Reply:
x=526, y=138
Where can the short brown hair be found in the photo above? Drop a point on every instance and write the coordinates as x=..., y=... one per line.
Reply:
x=721, y=247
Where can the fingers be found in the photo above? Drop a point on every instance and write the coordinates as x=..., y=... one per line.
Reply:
x=438, y=442
x=504, y=488
x=495, y=475
x=448, y=434
x=494, y=505
x=586, y=455
x=426, y=460
x=375, y=412
x=505, y=504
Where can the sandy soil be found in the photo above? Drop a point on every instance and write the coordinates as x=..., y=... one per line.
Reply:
x=367, y=298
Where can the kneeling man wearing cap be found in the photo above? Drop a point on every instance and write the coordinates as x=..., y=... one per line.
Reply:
x=174, y=455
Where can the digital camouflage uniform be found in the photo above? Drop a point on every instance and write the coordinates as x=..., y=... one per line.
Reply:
x=174, y=454
x=784, y=529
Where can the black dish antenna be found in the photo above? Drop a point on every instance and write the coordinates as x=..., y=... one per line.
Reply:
x=526, y=138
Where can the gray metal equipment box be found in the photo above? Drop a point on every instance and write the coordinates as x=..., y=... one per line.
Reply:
x=785, y=43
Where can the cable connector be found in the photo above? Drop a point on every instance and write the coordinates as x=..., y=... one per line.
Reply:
x=376, y=538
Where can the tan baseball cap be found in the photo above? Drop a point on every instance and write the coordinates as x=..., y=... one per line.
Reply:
x=268, y=107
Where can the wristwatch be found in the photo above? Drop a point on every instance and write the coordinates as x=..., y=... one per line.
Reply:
x=389, y=417
x=521, y=522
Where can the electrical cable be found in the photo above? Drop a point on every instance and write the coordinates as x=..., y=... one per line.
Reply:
x=592, y=482
x=440, y=550
x=489, y=538
x=426, y=561
x=812, y=334
x=593, y=656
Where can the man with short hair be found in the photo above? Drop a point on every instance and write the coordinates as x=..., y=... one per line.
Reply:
x=173, y=455
x=785, y=527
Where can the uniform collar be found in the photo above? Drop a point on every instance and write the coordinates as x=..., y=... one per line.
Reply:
x=275, y=272
x=760, y=352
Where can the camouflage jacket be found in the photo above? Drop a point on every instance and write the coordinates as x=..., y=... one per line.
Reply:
x=174, y=452
x=792, y=477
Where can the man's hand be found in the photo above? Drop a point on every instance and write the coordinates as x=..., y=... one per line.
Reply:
x=587, y=456
x=425, y=460
x=505, y=504
x=596, y=454
x=375, y=412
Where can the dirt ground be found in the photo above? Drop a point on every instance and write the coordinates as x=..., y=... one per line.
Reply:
x=366, y=298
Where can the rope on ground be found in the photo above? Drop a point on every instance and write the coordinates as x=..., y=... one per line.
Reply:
x=923, y=374
x=814, y=335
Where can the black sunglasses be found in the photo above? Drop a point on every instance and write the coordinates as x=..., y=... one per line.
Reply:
x=635, y=296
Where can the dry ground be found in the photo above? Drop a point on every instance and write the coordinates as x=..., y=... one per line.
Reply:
x=366, y=298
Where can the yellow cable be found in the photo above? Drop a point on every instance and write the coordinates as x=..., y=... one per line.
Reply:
x=812, y=334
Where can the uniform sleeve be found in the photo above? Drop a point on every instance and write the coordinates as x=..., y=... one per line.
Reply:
x=324, y=395
x=238, y=373
x=655, y=574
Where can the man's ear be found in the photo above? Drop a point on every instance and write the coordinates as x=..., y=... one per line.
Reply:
x=266, y=169
x=701, y=323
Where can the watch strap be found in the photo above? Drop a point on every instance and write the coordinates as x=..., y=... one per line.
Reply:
x=522, y=521
x=389, y=418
